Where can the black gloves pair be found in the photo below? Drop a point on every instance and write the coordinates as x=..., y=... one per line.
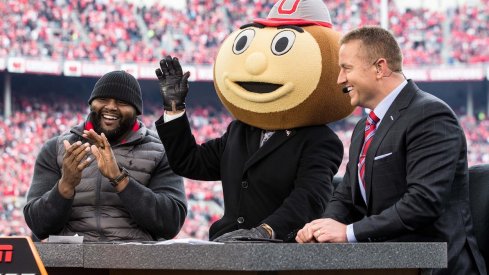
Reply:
x=173, y=83
x=257, y=234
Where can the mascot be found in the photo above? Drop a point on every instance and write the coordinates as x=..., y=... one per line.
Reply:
x=276, y=161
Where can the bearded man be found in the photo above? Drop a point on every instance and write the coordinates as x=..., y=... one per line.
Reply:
x=107, y=179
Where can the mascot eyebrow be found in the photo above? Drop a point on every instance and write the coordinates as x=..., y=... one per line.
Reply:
x=294, y=27
x=256, y=25
x=260, y=26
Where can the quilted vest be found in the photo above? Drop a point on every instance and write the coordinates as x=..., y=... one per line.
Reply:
x=97, y=211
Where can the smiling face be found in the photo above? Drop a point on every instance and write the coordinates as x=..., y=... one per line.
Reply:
x=358, y=74
x=112, y=117
x=280, y=78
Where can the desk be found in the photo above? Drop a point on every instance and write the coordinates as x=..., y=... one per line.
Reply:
x=252, y=258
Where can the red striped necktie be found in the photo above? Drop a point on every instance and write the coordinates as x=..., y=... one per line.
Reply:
x=370, y=126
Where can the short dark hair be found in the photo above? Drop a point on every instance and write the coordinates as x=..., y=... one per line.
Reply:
x=379, y=43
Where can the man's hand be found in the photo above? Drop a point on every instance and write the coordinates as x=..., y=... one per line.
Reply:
x=75, y=160
x=173, y=84
x=243, y=234
x=305, y=235
x=328, y=231
x=102, y=151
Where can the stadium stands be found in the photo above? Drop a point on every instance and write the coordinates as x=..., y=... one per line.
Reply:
x=118, y=31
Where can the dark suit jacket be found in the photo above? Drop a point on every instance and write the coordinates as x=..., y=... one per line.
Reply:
x=285, y=183
x=420, y=191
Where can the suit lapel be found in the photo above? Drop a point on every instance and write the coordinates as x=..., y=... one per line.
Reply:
x=275, y=141
x=401, y=102
x=356, y=147
x=252, y=139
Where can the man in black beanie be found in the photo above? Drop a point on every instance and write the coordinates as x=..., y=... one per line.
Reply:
x=128, y=193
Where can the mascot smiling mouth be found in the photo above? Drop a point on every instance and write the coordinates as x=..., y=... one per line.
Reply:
x=260, y=92
x=259, y=87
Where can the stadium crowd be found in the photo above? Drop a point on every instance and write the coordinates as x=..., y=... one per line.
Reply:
x=119, y=31
x=23, y=134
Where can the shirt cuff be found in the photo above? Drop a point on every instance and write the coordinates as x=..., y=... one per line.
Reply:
x=350, y=235
x=168, y=117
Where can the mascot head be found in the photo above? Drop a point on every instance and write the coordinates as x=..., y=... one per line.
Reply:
x=280, y=72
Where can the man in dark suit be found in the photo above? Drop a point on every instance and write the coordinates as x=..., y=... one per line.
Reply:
x=274, y=182
x=407, y=178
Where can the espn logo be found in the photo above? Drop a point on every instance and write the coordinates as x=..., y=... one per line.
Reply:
x=6, y=251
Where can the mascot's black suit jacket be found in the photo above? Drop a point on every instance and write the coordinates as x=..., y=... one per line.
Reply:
x=416, y=181
x=285, y=183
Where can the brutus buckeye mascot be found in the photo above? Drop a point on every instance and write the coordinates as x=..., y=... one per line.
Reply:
x=277, y=77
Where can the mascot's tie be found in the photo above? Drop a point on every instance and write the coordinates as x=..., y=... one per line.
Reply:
x=265, y=136
x=370, y=126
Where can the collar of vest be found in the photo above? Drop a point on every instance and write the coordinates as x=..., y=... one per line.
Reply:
x=136, y=133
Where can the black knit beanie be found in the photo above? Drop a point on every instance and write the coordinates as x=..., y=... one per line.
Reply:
x=121, y=86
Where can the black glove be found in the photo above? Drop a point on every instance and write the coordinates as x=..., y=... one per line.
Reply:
x=255, y=234
x=173, y=84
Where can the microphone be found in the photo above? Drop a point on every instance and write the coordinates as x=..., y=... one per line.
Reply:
x=345, y=90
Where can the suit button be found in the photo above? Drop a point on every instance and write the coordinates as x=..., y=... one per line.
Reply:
x=244, y=184
x=240, y=220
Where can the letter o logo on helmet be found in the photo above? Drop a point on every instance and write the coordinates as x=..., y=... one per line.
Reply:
x=281, y=10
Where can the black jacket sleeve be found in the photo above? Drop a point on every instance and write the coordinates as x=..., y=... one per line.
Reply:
x=46, y=211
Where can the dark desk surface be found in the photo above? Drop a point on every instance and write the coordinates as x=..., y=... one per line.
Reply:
x=246, y=256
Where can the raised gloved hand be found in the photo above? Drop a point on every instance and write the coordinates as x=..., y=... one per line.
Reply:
x=253, y=234
x=173, y=83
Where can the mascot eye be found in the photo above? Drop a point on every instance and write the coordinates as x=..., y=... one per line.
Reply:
x=282, y=42
x=243, y=41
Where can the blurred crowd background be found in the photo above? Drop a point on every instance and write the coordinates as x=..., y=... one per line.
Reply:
x=112, y=31
x=139, y=31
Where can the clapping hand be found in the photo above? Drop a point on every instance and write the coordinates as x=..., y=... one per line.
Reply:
x=75, y=160
x=102, y=152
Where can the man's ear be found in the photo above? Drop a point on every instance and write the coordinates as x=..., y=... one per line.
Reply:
x=381, y=62
x=382, y=66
